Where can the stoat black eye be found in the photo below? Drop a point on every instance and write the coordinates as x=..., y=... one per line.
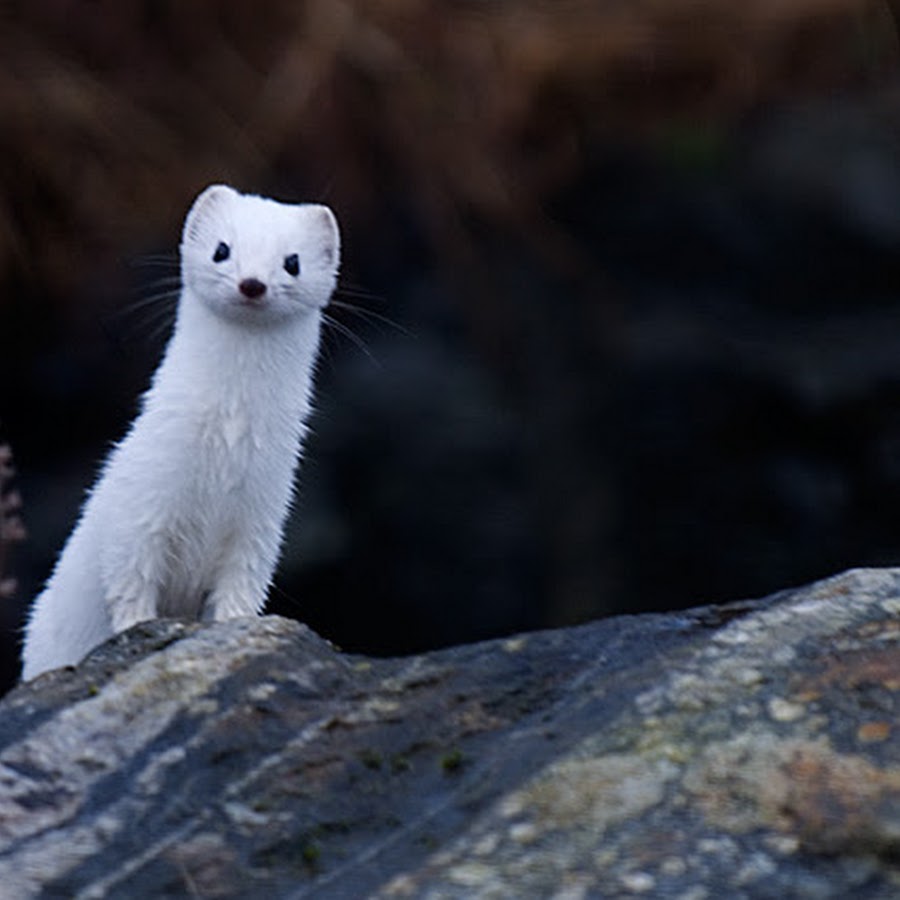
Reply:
x=292, y=264
x=223, y=251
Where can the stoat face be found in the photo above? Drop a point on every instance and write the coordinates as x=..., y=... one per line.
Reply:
x=255, y=260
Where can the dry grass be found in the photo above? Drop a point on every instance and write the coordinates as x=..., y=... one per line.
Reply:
x=115, y=113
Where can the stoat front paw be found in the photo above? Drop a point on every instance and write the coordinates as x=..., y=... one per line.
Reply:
x=223, y=606
x=124, y=613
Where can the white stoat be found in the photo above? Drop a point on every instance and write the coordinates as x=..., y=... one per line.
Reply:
x=186, y=518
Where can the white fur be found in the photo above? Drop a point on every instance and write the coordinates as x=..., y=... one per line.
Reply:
x=187, y=516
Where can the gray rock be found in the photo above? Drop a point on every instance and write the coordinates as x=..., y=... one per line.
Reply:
x=743, y=751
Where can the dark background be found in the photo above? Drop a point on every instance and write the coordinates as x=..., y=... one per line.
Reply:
x=626, y=278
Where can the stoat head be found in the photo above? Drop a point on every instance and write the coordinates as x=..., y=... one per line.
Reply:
x=252, y=259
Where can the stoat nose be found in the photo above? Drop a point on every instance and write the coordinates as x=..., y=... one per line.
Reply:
x=252, y=288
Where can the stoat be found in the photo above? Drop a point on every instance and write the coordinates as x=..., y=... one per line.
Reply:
x=187, y=515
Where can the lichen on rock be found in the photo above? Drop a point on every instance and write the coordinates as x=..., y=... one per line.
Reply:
x=745, y=751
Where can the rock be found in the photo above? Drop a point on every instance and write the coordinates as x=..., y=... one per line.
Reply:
x=743, y=751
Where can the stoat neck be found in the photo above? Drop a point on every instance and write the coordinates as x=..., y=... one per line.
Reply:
x=215, y=360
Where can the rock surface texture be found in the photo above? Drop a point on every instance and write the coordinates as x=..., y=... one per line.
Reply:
x=743, y=751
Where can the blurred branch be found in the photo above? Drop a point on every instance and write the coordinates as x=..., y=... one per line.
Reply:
x=11, y=528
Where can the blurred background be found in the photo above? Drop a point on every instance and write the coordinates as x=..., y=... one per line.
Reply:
x=625, y=278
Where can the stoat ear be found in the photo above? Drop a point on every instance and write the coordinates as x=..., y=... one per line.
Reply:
x=323, y=220
x=207, y=203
